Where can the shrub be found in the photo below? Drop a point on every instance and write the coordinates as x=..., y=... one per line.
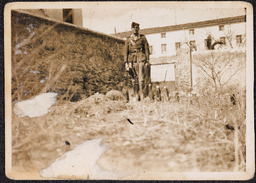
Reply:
x=96, y=98
x=115, y=95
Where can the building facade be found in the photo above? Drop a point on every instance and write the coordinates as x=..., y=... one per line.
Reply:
x=170, y=40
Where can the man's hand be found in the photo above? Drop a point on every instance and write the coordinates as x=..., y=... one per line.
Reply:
x=127, y=67
x=147, y=63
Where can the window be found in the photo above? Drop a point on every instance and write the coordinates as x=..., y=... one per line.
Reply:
x=177, y=45
x=221, y=28
x=239, y=39
x=191, y=31
x=193, y=45
x=206, y=44
x=68, y=15
x=150, y=50
x=163, y=35
x=163, y=48
x=223, y=40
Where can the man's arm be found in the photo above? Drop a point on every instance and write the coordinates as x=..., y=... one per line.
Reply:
x=126, y=54
x=126, y=50
x=146, y=48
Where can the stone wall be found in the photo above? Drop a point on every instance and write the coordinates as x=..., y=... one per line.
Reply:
x=182, y=70
x=229, y=65
x=51, y=56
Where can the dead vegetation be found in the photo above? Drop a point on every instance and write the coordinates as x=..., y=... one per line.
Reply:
x=165, y=136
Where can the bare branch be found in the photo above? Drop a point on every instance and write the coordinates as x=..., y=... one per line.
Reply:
x=203, y=70
x=231, y=77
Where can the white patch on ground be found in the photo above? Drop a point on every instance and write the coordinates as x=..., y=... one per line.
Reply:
x=42, y=80
x=38, y=106
x=80, y=162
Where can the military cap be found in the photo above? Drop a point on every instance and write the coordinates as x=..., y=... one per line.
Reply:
x=134, y=24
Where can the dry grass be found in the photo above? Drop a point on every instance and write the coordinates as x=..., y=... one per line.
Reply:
x=166, y=136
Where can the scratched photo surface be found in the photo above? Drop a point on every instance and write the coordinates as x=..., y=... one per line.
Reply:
x=92, y=98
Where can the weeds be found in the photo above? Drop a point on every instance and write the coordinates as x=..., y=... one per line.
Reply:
x=166, y=136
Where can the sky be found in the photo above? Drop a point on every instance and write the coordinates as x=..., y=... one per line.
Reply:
x=107, y=16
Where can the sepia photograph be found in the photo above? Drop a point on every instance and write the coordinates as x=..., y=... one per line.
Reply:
x=129, y=90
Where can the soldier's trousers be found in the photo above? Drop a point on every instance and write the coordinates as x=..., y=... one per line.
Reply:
x=142, y=78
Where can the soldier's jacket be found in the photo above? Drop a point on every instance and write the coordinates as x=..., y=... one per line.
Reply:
x=136, y=49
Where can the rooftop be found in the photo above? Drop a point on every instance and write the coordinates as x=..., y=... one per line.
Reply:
x=207, y=23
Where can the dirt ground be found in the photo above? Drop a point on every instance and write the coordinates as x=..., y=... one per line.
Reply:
x=160, y=137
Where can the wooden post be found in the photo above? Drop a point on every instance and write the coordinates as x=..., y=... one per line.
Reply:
x=190, y=58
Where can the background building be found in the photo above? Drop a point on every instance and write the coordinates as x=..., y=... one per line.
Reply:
x=73, y=16
x=169, y=40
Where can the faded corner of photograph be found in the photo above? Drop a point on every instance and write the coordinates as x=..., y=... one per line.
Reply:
x=116, y=91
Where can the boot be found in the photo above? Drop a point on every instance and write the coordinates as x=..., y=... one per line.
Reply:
x=141, y=97
x=127, y=96
x=136, y=92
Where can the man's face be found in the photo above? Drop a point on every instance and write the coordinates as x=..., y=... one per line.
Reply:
x=136, y=29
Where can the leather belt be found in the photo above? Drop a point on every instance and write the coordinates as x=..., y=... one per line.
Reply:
x=136, y=51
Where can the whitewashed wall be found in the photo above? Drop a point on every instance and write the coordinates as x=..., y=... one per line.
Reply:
x=200, y=35
x=163, y=72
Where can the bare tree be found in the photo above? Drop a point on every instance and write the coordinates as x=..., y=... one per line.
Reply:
x=219, y=67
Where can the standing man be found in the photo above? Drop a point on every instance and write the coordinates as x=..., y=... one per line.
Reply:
x=136, y=59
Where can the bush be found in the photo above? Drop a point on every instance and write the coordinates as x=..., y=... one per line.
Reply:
x=96, y=98
x=115, y=95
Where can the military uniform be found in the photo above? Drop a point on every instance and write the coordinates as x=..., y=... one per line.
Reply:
x=136, y=57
